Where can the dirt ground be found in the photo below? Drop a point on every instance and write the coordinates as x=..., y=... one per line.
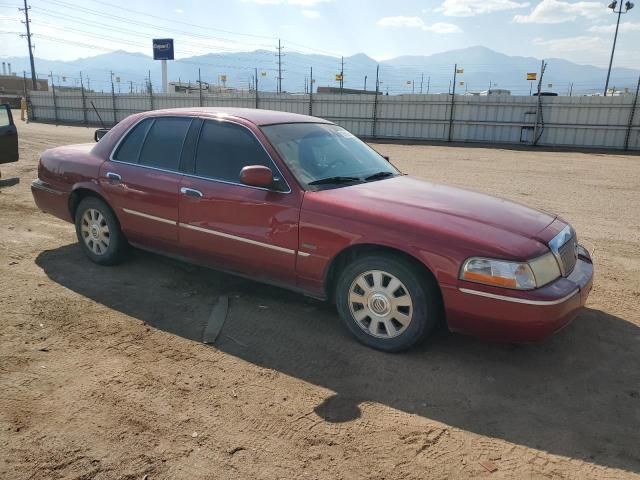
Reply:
x=103, y=375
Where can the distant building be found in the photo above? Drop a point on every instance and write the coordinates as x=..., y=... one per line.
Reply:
x=12, y=88
x=14, y=85
x=614, y=92
x=195, y=87
x=350, y=91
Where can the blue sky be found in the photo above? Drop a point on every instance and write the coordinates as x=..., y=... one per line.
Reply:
x=579, y=31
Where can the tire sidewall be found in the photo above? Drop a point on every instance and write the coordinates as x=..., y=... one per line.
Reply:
x=116, y=240
x=422, y=296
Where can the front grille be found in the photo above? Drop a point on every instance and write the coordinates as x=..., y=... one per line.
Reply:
x=568, y=255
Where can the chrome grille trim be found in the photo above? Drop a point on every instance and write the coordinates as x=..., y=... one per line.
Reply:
x=564, y=247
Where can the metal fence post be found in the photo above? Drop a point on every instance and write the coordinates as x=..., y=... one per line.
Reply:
x=453, y=100
x=375, y=103
x=631, y=115
x=30, y=112
x=150, y=92
x=113, y=102
x=311, y=92
x=257, y=96
x=200, y=85
x=84, y=101
x=55, y=103
x=534, y=140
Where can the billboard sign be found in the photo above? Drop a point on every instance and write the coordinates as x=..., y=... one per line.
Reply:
x=163, y=48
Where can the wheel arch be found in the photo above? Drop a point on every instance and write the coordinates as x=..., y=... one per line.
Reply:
x=350, y=253
x=81, y=192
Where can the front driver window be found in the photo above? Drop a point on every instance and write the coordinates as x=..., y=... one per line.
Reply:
x=225, y=149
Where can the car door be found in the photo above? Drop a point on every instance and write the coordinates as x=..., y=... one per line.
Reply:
x=250, y=230
x=142, y=181
x=8, y=136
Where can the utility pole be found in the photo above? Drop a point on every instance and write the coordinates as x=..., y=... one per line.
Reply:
x=280, y=47
x=341, y=73
x=365, y=83
x=428, y=84
x=421, y=81
x=34, y=83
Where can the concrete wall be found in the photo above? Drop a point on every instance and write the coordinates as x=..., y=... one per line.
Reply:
x=585, y=122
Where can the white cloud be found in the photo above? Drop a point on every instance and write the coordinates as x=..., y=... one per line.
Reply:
x=307, y=3
x=417, y=22
x=470, y=8
x=571, y=45
x=179, y=10
x=558, y=11
x=624, y=27
x=409, y=22
x=311, y=13
x=442, y=28
x=301, y=3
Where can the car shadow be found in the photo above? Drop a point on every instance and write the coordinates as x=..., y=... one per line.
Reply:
x=576, y=394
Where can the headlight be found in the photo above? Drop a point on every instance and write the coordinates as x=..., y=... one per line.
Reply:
x=517, y=275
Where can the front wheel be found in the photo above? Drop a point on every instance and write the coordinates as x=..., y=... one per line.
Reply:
x=387, y=302
x=99, y=232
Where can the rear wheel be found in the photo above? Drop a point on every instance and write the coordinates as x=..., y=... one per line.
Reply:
x=387, y=302
x=98, y=232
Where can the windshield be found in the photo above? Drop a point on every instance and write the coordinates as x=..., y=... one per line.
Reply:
x=320, y=154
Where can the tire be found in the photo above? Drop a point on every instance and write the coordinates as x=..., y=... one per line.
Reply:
x=387, y=302
x=99, y=233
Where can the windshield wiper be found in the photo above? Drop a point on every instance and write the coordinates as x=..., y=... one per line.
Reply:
x=330, y=180
x=379, y=175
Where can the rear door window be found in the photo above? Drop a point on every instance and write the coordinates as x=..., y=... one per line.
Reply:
x=163, y=144
x=129, y=149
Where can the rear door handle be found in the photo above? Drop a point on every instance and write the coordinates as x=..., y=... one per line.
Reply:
x=191, y=192
x=114, y=177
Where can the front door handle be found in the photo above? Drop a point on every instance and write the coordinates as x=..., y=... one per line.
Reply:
x=114, y=177
x=191, y=192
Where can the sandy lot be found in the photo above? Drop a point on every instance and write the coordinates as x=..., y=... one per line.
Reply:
x=102, y=373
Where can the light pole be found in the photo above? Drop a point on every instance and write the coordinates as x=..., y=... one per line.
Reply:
x=627, y=6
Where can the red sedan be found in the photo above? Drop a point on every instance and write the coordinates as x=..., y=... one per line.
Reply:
x=300, y=202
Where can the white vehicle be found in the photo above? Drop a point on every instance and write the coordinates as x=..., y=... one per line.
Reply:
x=496, y=91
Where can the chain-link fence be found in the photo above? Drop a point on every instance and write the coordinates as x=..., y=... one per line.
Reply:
x=585, y=122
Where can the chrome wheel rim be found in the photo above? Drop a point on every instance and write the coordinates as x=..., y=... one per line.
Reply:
x=380, y=304
x=95, y=231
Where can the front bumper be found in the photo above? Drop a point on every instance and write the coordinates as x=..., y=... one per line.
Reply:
x=519, y=316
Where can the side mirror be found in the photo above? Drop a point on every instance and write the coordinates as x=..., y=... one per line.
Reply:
x=99, y=133
x=256, y=176
x=386, y=157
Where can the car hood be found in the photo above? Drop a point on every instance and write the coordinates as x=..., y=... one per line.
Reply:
x=413, y=201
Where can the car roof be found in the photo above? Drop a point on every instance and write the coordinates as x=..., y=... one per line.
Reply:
x=253, y=115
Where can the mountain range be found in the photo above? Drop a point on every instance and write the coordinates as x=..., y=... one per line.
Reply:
x=481, y=68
